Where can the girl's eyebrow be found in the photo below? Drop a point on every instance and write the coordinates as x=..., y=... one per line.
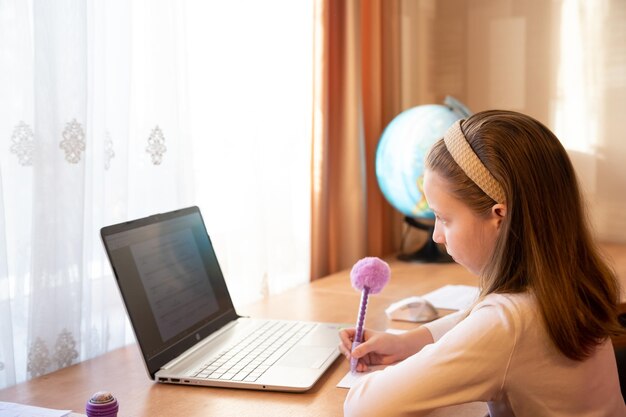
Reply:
x=439, y=214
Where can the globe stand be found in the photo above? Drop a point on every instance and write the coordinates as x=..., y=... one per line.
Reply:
x=430, y=251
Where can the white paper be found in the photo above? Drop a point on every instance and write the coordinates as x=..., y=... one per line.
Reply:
x=351, y=378
x=395, y=331
x=453, y=297
x=20, y=410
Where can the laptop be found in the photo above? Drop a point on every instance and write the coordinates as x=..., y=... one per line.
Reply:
x=183, y=317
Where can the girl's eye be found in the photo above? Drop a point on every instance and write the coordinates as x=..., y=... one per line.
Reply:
x=439, y=219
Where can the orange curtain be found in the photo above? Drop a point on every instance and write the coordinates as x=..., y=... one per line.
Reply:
x=356, y=93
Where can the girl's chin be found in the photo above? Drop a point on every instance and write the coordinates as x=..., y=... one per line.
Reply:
x=472, y=270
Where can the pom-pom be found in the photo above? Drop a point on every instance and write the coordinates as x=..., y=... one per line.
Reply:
x=370, y=272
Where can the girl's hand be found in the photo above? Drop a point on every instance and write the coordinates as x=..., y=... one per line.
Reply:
x=377, y=348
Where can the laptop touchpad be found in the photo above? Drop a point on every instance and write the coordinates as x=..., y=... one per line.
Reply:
x=306, y=356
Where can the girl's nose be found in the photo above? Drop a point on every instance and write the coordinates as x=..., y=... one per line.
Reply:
x=438, y=236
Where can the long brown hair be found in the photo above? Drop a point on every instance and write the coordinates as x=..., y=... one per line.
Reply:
x=545, y=245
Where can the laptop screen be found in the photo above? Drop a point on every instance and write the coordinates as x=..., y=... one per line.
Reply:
x=170, y=281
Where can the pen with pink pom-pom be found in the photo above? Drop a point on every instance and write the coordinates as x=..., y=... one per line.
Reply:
x=369, y=275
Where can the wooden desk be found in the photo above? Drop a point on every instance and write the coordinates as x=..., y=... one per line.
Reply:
x=330, y=299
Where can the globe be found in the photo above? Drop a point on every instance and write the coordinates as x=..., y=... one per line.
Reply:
x=401, y=153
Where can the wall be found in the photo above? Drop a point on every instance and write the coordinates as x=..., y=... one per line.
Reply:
x=520, y=55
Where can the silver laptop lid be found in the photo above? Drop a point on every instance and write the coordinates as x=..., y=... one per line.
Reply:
x=170, y=280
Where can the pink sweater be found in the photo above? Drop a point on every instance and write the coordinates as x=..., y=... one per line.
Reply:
x=500, y=354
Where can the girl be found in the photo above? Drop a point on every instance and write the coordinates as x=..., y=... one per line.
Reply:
x=536, y=343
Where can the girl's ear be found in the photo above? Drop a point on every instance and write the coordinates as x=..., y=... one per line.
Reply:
x=498, y=213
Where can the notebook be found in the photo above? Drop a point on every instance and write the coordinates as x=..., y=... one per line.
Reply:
x=184, y=320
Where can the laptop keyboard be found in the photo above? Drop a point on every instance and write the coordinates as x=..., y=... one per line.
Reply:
x=250, y=357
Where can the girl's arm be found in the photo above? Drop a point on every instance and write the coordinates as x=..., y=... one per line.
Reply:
x=381, y=348
x=469, y=363
x=443, y=325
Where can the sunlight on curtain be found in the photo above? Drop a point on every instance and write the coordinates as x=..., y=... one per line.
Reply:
x=587, y=112
x=120, y=109
x=577, y=95
x=7, y=363
x=250, y=109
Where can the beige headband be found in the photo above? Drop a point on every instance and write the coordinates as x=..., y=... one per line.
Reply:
x=464, y=156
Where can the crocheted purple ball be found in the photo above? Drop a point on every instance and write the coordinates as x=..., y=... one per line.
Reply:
x=370, y=272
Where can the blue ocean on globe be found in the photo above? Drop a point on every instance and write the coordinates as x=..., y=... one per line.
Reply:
x=401, y=153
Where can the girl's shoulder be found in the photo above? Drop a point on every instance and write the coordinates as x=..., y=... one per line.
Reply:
x=519, y=300
x=513, y=308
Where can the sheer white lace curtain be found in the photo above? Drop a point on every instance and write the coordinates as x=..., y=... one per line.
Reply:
x=112, y=110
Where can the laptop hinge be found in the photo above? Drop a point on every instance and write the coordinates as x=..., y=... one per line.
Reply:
x=197, y=346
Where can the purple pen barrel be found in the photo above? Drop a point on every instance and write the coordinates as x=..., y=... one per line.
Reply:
x=360, y=322
x=102, y=404
x=354, y=361
x=358, y=334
